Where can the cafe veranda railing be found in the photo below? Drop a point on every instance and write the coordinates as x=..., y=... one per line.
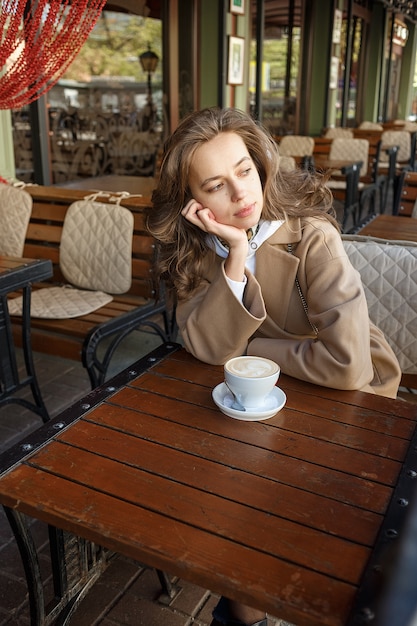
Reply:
x=88, y=143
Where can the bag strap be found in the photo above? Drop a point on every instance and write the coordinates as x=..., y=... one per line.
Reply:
x=303, y=300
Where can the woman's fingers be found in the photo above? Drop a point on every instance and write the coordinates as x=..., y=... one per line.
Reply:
x=191, y=208
x=193, y=212
x=203, y=218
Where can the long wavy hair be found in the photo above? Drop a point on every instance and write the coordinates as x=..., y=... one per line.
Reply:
x=287, y=193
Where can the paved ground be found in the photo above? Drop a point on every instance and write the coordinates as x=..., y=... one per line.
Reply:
x=127, y=593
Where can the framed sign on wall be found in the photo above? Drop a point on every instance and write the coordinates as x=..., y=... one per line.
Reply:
x=236, y=60
x=237, y=6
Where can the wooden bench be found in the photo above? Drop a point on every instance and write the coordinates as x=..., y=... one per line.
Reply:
x=141, y=306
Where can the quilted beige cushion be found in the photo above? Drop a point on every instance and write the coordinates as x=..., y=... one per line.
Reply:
x=287, y=163
x=61, y=302
x=389, y=275
x=400, y=138
x=350, y=150
x=96, y=246
x=296, y=145
x=15, y=211
x=345, y=133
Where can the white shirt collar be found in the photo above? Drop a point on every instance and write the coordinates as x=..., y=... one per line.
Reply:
x=265, y=230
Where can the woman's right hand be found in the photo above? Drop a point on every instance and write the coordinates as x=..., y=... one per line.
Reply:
x=236, y=238
x=203, y=218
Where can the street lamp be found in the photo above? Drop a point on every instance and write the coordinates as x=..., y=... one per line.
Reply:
x=149, y=61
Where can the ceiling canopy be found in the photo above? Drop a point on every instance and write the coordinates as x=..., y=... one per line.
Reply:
x=147, y=8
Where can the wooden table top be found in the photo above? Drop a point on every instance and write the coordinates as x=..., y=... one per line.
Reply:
x=391, y=227
x=132, y=184
x=17, y=272
x=281, y=514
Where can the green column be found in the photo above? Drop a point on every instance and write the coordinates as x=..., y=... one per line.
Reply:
x=7, y=165
x=320, y=23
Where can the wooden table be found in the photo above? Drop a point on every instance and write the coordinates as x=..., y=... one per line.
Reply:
x=391, y=227
x=292, y=514
x=143, y=185
x=15, y=274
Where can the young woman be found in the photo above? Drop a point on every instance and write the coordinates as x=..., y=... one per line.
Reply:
x=255, y=255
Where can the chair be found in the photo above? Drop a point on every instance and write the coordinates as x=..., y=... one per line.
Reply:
x=287, y=162
x=15, y=212
x=397, y=154
x=348, y=149
x=373, y=136
x=388, y=271
x=321, y=148
x=300, y=147
x=366, y=125
x=406, y=195
x=374, y=176
x=406, y=125
x=349, y=188
x=333, y=133
x=400, y=138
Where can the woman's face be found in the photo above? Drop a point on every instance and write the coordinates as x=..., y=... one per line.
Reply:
x=224, y=179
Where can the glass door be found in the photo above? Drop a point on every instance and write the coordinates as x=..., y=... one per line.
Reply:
x=274, y=82
x=349, y=60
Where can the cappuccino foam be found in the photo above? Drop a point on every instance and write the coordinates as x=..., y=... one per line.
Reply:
x=252, y=367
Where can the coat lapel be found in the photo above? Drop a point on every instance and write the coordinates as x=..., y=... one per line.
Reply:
x=276, y=270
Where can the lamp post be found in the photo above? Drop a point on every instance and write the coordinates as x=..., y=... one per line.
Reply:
x=149, y=61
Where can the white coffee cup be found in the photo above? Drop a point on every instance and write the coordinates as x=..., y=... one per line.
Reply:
x=251, y=379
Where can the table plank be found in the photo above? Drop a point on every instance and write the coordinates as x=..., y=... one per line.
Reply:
x=391, y=227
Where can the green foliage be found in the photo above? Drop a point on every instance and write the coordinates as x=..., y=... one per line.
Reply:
x=114, y=46
x=275, y=55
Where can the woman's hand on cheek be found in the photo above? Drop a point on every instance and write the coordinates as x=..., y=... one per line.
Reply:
x=203, y=217
x=194, y=212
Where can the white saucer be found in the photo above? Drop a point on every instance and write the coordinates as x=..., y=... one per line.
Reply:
x=224, y=400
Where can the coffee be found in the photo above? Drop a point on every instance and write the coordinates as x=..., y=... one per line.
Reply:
x=251, y=367
x=251, y=379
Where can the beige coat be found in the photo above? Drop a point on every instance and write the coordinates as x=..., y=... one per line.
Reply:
x=348, y=353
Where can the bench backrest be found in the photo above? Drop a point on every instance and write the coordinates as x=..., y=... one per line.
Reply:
x=43, y=235
x=388, y=271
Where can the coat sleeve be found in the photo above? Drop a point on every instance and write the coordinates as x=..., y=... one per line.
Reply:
x=340, y=355
x=214, y=324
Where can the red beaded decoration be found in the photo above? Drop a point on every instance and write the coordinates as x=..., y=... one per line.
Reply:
x=39, y=39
